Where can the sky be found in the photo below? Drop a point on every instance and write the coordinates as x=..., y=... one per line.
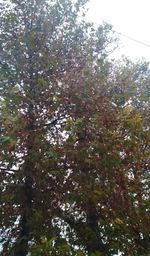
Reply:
x=129, y=17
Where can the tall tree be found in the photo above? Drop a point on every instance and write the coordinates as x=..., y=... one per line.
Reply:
x=74, y=136
x=43, y=54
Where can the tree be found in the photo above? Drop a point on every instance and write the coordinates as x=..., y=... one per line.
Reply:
x=74, y=136
x=43, y=54
x=109, y=163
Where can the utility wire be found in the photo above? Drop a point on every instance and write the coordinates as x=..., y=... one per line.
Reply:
x=133, y=39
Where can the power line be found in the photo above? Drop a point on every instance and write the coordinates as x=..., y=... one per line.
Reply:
x=133, y=39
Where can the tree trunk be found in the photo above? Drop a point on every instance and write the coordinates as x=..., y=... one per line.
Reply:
x=26, y=202
x=94, y=243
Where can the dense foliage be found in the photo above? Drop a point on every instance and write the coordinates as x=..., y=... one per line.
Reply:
x=75, y=136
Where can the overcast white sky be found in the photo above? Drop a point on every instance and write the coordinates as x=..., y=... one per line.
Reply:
x=130, y=17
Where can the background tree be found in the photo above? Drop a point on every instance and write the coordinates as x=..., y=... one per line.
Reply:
x=109, y=163
x=74, y=136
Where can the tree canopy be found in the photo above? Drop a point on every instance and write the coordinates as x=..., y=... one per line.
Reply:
x=75, y=136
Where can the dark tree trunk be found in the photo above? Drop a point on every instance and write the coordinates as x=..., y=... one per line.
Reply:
x=21, y=246
x=94, y=243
